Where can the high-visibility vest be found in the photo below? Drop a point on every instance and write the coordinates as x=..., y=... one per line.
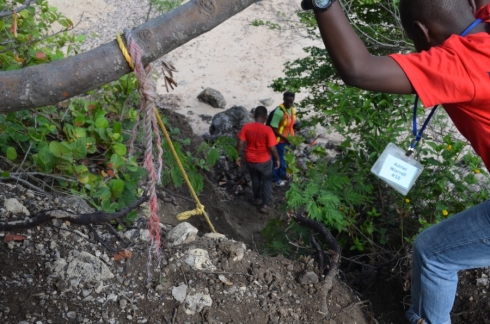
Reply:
x=285, y=127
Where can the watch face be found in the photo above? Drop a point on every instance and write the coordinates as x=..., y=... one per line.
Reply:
x=322, y=4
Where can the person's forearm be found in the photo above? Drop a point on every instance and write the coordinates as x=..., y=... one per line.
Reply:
x=276, y=132
x=348, y=53
x=274, y=153
x=239, y=147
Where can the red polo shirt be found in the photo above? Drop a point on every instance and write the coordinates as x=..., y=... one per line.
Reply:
x=259, y=138
x=456, y=74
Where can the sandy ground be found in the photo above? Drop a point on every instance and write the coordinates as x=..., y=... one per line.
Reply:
x=235, y=58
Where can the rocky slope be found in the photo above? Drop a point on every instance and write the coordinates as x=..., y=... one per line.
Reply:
x=64, y=273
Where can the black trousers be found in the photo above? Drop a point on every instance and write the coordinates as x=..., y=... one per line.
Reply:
x=261, y=175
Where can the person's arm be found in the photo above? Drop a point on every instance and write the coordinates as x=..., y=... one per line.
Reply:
x=274, y=153
x=276, y=132
x=239, y=148
x=355, y=65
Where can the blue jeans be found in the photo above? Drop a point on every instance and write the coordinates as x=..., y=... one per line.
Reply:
x=278, y=174
x=460, y=242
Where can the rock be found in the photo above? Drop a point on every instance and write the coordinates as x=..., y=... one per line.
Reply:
x=58, y=267
x=179, y=293
x=225, y=280
x=267, y=102
x=215, y=236
x=234, y=250
x=308, y=133
x=229, y=122
x=79, y=205
x=199, y=259
x=335, y=144
x=123, y=303
x=195, y=303
x=145, y=235
x=313, y=158
x=71, y=315
x=483, y=281
x=128, y=235
x=88, y=267
x=308, y=278
x=14, y=206
x=112, y=297
x=212, y=97
x=182, y=234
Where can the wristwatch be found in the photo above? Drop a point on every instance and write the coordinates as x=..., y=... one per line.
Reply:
x=320, y=5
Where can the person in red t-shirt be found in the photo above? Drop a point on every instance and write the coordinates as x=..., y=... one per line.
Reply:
x=261, y=143
x=448, y=69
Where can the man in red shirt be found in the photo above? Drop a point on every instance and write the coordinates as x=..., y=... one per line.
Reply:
x=448, y=69
x=260, y=144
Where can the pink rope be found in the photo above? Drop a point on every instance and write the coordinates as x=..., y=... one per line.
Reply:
x=147, y=89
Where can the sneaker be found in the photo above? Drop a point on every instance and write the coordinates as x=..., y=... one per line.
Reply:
x=280, y=183
x=264, y=209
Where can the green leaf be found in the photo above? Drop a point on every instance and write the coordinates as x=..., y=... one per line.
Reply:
x=213, y=156
x=103, y=193
x=44, y=160
x=102, y=122
x=131, y=217
x=5, y=174
x=11, y=153
x=119, y=149
x=79, y=148
x=117, y=187
x=117, y=128
x=91, y=145
x=61, y=150
x=116, y=161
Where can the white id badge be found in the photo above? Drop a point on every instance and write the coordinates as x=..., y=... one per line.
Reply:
x=397, y=169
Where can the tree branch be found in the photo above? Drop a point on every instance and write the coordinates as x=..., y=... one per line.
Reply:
x=26, y=4
x=47, y=84
x=82, y=219
x=31, y=42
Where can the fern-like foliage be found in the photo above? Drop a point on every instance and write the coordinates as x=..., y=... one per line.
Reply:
x=327, y=196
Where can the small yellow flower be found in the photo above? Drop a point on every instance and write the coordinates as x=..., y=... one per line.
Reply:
x=449, y=147
x=477, y=170
x=445, y=213
x=407, y=201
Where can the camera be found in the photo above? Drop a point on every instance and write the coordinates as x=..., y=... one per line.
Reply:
x=307, y=5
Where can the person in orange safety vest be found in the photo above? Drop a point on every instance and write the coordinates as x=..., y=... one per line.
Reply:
x=282, y=123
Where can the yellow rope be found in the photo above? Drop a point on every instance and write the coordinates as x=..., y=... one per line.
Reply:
x=124, y=51
x=199, y=207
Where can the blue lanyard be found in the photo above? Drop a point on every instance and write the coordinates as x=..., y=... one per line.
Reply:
x=418, y=135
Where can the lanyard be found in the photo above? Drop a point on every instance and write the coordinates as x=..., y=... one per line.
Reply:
x=418, y=135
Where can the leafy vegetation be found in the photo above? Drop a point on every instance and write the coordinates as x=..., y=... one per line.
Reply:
x=80, y=146
x=27, y=37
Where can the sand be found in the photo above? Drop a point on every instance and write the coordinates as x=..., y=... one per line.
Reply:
x=235, y=58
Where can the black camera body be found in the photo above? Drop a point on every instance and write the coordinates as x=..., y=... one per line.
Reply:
x=307, y=5
x=319, y=5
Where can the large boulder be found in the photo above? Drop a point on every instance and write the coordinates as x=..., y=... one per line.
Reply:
x=212, y=97
x=229, y=122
